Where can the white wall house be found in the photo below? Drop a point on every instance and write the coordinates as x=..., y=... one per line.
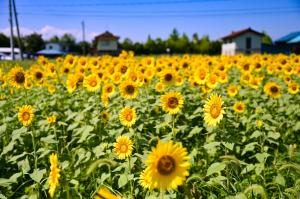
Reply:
x=5, y=53
x=107, y=43
x=246, y=41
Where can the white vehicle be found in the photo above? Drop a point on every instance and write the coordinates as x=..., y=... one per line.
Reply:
x=5, y=53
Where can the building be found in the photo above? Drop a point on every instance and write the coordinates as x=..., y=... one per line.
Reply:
x=287, y=44
x=107, y=43
x=53, y=50
x=5, y=53
x=245, y=41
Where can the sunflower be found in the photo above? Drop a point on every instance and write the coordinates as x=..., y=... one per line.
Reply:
x=104, y=100
x=92, y=83
x=25, y=115
x=72, y=83
x=51, y=88
x=213, y=111
x=128, y=90
x=201, y=75
x=172, y=102
x=272, y=89
x=159, y=87
x=167, y=166
x=17, y=77
x=259, y=123
x=38, y=75
x=127, y=116
x=232, y=90
x=105, y=116
x=104, y=193
x=145, y=180
x=239, y=107
x=51, y=119
x=293, y=88
x=108, y=89
x=123, y=147
x=54, y=174
x=168, y=77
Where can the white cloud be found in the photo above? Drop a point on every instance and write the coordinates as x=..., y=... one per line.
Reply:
x=50, y=31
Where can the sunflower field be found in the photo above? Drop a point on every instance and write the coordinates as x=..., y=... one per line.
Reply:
x=190, y=126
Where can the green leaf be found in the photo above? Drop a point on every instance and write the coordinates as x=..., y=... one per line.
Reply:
x=274, y=135
x=194, y=131
x=37, y=175
x=279, y=179
x=211, y=145
x=256, y=134
x=8, y=147
x=261, y=157
x=49, y=139
x=228, y=145
x=248, y=168
x=85, y=133
x=297, y=126
x=25, y=165
x=249, y=147
x=122, y=180
x=215, y=168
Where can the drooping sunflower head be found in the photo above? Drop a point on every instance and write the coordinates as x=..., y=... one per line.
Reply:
x=104, y=193
x=72, y=83
x=213, y=110
x=167, y=166
x=25, y=115
x=172, y=102
x=127, y=116
x=92, y=83
x=129, y=90
x=54, y=174
x=17, y=77
x=239, y=107
x=123, y=147
x=272, y=89
x=105, y=116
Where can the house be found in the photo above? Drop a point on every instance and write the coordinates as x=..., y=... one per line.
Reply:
x=53, y=50
x=287, y=44
x=5, y=53
x=107, y=43
x=245, y=41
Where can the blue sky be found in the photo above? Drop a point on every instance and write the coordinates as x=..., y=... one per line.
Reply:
x=137, y=19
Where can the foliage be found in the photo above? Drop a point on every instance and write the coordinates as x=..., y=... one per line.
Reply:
x=235, y=159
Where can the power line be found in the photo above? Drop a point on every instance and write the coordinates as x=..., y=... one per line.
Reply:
x=178, y=14
x=141, y=3
x=162, y=11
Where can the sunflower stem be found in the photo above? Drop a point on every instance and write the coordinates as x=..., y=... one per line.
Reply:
x=162, y=193
x=130, y=182
x=34, y=148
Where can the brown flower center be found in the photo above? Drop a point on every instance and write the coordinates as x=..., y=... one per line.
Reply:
x=123, y=69
x=20, y=77
x=93, y=83
x=26, y=116
x=129, y=117
x=129, y=89
x=168, y=77
x=123, y=148
x=274, y=89
x=166, y=165
x=173, y=102
x=38, y=75
x=109, y=89
x=215, y=111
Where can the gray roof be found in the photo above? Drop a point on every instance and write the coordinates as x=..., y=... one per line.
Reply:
x=50, y=52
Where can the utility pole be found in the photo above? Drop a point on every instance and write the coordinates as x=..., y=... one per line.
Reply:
x=18, y=31
x=83, y=37
x=11, y=31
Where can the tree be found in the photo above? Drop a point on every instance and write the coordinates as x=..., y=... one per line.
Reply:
x=33, y=43
x=266, y=39
x=204, y=44
x=68, y=42
x=4, y=40
x=54, y=39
